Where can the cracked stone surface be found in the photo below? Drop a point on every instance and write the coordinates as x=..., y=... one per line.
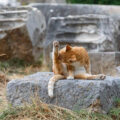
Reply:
x=71, y=94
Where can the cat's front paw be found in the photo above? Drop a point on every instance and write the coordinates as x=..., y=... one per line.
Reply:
x=55, y=44
x=101, y=76
x=70, y=77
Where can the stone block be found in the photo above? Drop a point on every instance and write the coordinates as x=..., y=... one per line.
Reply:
x=22, y=32
x=71, y=94
x=105, y=63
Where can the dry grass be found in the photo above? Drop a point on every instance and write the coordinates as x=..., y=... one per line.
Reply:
x=38, y=111
x=3, y=101
x=41, y=111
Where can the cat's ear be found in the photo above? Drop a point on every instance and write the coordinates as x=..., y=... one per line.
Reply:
x=68, y=47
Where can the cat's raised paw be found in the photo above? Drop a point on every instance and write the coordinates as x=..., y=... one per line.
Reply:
x=55, y=43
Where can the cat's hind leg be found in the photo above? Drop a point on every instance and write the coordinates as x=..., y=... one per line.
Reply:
x=90, y=77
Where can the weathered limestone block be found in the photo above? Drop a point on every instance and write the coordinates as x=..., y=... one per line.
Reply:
x=95, y=32
x=71, y=94
x=105, y=63
x=22, y=32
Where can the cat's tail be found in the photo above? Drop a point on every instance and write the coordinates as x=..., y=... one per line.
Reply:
x=52, y=82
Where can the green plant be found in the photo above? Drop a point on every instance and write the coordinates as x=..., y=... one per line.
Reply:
x=104, y=2
x=115, y=113
x=86, y=115
x=117, y=102
x=10, y=111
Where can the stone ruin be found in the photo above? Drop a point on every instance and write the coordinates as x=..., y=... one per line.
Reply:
x=97, y=28
x=22, y=31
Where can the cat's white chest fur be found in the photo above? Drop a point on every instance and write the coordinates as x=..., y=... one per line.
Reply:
x=64, y=68
x=78, y=68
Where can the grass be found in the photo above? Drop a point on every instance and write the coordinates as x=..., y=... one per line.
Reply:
x=41, y=111
x=115, y=112
x=38, y=110
x=19, y=67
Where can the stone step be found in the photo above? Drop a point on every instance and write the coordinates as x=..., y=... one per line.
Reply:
x=12, y=20
x=3, y=9
x=12, y=17
x=13, y=14
x=7, y=24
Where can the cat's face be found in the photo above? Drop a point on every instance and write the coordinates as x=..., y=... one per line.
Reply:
x=67, y=56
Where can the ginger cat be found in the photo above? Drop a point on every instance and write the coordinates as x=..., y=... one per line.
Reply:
x=67, y=63
x=74, y=58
